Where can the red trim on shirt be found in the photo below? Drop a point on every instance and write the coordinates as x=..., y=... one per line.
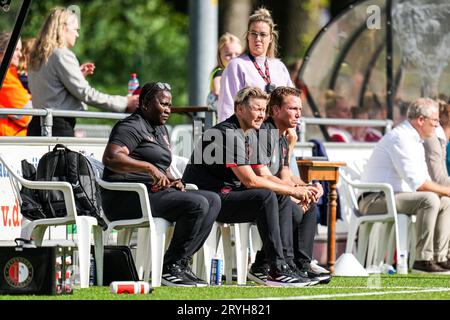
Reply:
x=231, y=165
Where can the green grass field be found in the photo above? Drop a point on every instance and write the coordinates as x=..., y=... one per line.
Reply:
x=384, y=287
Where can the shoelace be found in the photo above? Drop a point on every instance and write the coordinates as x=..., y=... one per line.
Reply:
x=176, y=270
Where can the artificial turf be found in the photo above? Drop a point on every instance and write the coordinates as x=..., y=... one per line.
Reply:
x=376, y=287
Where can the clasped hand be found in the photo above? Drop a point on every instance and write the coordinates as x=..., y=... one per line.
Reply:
x=163, y=182
x=308, y=194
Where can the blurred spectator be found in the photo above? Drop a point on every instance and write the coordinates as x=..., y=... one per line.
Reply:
x=358, y=133
x=13, y=94
x=364, y=134
x=27, y=44
x=377, y=111
x=400, y=109
x=229, y=47
x=336, y=106
x=435, y=147
x=294, y=69
x=57, y=81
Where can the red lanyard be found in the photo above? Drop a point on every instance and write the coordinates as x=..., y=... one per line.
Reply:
x=266, y=76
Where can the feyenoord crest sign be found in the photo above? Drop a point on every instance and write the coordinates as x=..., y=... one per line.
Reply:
x=18, y=272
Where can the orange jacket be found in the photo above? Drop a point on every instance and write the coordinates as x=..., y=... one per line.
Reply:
x=13, y=95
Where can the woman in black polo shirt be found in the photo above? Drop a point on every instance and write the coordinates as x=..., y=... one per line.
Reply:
x=138, y=150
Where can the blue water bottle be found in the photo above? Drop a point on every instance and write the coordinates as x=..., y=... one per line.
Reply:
x=133, y=84
x=216, y=271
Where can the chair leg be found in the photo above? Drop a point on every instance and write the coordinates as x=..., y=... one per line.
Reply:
x=403, y=229
x=391, y=246
x=227, y=252
x=207, y=252
x=142, y=250
x=242, y=232
x=383, y=241
x=351, y=235
x=412, y=244
x=124, y=236
x=84, y=228
x=27, y=228
x=169, y=235
x=373, y=246
x=106, y=234
x=158, y=238
x=363, y=240
x=198, y=263
x=256, y=242
x=35, y=232
x=99, y=253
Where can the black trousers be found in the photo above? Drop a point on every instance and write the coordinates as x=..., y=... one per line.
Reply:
x=271, y=213
x=303, y=230
x=62, y=127
x=193, y=212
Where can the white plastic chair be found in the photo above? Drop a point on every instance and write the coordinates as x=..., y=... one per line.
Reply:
x=35, y=229
x=365, y=222
x=241, y=233
x=151, y=235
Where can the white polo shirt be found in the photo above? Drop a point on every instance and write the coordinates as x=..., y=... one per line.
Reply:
x=398, y=159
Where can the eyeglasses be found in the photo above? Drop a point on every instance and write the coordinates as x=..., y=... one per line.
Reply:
x=433, y=121
x=255, y=35
x=163, y=86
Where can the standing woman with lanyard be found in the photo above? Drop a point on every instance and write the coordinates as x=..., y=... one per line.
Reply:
x=258, y=67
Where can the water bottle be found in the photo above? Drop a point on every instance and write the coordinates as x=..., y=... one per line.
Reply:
x=92, y=271
x=133, y=84
x=402, y=263
x=216, y=271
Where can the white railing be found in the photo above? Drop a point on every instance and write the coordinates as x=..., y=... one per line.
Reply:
x=387, y=124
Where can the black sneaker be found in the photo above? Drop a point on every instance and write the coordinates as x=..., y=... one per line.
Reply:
x=304, y=275
x=191, y=275
x=314, y=271
x=259, y=273
x=322, y=278
x=283, y=276
x=175, y=275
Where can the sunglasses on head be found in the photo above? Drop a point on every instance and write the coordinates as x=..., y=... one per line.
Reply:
x=163, y=86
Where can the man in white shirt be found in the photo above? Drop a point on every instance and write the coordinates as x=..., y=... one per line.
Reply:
x=399, y=159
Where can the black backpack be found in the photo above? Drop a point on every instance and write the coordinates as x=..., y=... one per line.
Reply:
x=63, y=164
x=30, y=206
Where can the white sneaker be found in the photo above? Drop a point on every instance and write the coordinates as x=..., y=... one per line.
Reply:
x=316, y=268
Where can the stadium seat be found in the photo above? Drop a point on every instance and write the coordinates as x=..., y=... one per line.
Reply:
x=153, y=234
x=364, y=223
x=35, y=230
x=241, y=232
x=151, y=239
